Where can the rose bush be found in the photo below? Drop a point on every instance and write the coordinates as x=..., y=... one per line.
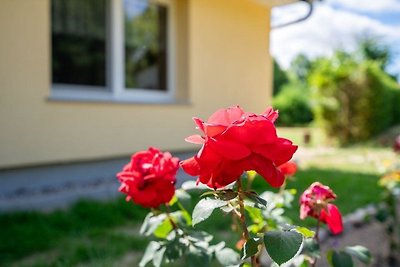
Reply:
x=237, y=146
x=315, y=202
x=235, y=141
x=149, y=178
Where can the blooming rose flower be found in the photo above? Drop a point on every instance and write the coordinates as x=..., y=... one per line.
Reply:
x=149, y=178
x=288, y=169
x=235, y=141
x=315, y=202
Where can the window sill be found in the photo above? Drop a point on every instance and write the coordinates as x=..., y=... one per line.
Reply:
x=103, y=96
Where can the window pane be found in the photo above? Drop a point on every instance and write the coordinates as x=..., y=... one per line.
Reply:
x=145, y=45
x=79, y=42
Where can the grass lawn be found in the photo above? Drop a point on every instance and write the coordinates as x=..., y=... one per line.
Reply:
x=107, y=234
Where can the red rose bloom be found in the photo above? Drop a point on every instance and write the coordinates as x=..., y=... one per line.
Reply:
x=149, y=178
x=288, y=169
x=235, y=141
x=314, y=202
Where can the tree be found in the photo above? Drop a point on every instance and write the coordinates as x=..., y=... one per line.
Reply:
x=280, y=78
x=301, y=67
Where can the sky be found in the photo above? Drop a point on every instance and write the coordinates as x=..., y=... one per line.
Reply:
x=335, y=24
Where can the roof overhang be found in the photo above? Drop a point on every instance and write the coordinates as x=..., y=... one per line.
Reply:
x=273, y=3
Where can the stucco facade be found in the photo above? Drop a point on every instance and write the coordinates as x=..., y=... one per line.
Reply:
x=221, y=60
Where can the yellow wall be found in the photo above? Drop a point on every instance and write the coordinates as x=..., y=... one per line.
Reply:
x=222, y=60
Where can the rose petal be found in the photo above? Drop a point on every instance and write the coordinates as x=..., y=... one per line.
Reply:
x=333, y=219
x=271, y=114
x=289, y=168
x=229, y=150
x=199, y=123
x=195, y=139
x=279, y=152
x=191, y=166
x=251, y=132
x=226, y=116
x=212, y=130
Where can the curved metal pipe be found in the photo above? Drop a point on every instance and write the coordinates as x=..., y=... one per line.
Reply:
x=309, y=13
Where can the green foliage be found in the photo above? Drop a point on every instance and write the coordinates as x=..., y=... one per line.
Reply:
x=301, y=67
x=205, y=208
x=343, y=258
x=371, y=48
x=27, y=233
x=353, y=99
x=283, y=245
x=280, y=78
x=361, y=253
x=339, y=259
x=395, y=96
x=250, y=248
x=293, y=104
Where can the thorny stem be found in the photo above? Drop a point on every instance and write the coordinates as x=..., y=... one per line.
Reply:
x=246, y=234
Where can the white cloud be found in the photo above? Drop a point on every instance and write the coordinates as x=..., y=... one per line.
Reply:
x=327, y=30
x=371, y=6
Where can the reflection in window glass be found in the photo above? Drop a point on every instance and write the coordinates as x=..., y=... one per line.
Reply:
x=79, y=42
x=145, y=45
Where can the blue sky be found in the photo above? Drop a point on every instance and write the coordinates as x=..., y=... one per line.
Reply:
x=336, y=24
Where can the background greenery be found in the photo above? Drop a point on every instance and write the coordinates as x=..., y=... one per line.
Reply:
x=350, y=95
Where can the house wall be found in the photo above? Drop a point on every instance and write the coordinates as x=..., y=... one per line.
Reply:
x=222, y=60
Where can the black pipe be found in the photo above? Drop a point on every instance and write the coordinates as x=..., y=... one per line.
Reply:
x=309, y=13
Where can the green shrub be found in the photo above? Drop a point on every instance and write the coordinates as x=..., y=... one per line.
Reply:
x=354, y=101
x=395, y=95
x=293, y=103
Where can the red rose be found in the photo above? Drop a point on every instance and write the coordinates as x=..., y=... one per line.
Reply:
x=289, y=168
x=315, y=202
x=235, y=141
x=149, y=178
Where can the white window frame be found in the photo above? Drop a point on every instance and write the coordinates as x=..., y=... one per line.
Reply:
x=115, y=90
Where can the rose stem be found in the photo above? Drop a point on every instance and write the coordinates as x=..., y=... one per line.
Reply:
x=316, y=237
x=243, y=219
x=168, y=211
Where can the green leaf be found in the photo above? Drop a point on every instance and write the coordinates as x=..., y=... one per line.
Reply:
x=226, y=195
x=151, y=248
x=255, y=214
x=208, y=193
x=200, y=235
x=163, y=229
x=183, y=198
x=307, y=233
x=250, y=248
x=311, y=248
x=192, y=185
x=174, y=250
x=283, y=245
x=339, y=259
x=361, y=253
x=227, y=256
x=173, y=200
x=151, y=222
x=204, y=209
x=158, y=256
x=197, y=257
x=259, y=201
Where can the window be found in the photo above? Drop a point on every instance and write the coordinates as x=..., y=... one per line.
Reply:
x=112, y=50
